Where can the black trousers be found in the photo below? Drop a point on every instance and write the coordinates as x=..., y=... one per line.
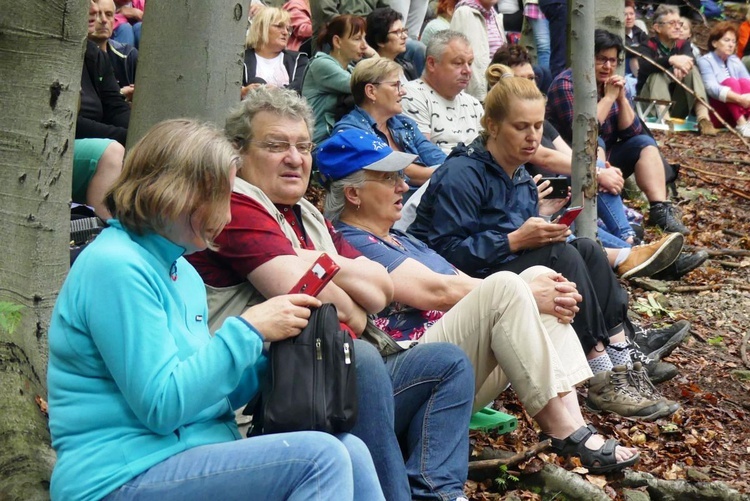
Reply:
x=604, y=306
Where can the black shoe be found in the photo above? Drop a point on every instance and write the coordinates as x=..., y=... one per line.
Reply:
x=684, y=264
x=662, y=214
x=638, y=229
x=657, y=371
x=658, y=343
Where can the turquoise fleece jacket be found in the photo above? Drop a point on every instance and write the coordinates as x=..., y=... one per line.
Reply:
x=134, y=376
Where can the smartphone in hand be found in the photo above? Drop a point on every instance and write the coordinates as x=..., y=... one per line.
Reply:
x=559, y=185
x=317, y=277
x=570, y=215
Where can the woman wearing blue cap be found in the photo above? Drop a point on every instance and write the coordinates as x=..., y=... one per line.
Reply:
x=496, y=321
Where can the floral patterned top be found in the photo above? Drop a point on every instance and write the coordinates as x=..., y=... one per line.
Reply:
x=400, y=321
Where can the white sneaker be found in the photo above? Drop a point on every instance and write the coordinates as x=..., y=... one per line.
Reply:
x=744, y=130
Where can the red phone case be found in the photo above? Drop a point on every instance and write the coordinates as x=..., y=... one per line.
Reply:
x=314, y=279
x=569, y=216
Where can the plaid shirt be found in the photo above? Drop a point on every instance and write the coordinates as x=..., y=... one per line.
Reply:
x=560, y=113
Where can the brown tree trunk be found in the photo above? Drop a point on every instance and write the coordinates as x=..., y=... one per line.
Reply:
x=41, y=55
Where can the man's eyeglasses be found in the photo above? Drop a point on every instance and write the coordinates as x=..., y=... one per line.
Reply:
x=282, y=26
x=396, y=84
x=603, y=61
x=403, y=33
x=304, y=147
x=674, y=24
x=391, y=178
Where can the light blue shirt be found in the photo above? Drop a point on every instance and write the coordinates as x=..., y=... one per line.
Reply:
x=714, y=71
x=134, y=376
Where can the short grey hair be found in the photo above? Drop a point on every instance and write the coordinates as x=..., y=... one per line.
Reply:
x=285, y=103
x=336, y=198
x=440, y=41
x=664, y=10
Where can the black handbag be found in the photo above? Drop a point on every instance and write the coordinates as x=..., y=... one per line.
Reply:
x=312, y=383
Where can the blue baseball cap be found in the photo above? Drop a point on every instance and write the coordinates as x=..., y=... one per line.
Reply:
x=351, y=150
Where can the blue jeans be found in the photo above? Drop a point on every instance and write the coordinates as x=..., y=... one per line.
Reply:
x=609, y=241
x=557, y=16
x=299, y=466
x=425, y=395
x=128, y=33
x=611, y=211
x=540, y=28
x=415, y=53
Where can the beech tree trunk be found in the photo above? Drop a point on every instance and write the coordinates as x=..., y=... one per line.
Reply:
x=41, y=56
x=190, y=62
x=585, y=124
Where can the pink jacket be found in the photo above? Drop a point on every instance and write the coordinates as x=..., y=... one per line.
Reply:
x=137, y=4
x=301, y=22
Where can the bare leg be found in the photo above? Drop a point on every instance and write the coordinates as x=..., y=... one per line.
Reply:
x=649, y=175
x=107, y=171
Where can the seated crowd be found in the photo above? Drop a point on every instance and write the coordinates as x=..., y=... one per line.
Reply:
x=456, y=277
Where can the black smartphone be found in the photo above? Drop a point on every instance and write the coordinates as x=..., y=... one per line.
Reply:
x=559, y=186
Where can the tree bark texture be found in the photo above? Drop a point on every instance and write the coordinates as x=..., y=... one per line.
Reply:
x=41, y=56
x=585, y=125
x=190, y=62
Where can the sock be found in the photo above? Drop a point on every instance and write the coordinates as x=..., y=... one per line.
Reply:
x=619, y=353
x=601, y=363
x=622, y=256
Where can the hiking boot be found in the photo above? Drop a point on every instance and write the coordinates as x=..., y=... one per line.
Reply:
x=706, y=128
x=684, y=264
x=658, y=343
x=662, y=214
x=611, y=391
x=647, y=259
x=639, y=380
x=657, y=371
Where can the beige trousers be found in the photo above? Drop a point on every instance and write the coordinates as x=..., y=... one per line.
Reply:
x=499, y=327
x=657, y=87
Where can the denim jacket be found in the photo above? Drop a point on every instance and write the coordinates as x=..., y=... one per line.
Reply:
x=470, y=207
x=404, y=131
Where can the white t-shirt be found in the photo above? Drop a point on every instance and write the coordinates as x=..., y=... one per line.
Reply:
x=447, y=122
x=272, y=70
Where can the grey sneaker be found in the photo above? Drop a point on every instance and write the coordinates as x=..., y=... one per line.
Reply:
x=611, y=391
x=639, y=380
x=658, y=343
x=657, y=371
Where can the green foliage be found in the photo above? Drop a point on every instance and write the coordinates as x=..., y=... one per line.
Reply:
x=10, y=316
x=716, y=340
x=505, y=479
x=651, y=307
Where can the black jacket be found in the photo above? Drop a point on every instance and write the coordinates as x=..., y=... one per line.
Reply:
x=294, y=62
x=103, y=112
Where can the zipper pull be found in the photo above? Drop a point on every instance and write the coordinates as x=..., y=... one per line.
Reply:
x=347, y=357
x=318, y=349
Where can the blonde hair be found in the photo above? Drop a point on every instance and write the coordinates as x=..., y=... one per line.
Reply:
x=257, y=35
x=371, y=71
x=507, y=89
x=177, y=168
x=495, y=72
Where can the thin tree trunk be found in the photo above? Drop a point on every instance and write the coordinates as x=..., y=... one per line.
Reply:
x=190, y=63
x=585, y=125
x=41, y=55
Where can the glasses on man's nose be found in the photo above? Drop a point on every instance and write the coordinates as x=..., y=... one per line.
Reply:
x=673, y=24
x=391, y=179
x=304, y=147
x=403, y=33
x=603, y=61
x=282, y=26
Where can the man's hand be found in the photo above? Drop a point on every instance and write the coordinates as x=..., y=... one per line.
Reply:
x=127, y=92
x=282, y=316
x=131, y=13
x=682, y=63
x=610, y=179
x=556, y=296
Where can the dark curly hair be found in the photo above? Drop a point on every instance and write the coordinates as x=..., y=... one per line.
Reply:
x=604, y=40
x=511, y=55
x=379, y=23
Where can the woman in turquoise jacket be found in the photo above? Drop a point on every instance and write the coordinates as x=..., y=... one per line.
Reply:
x=326, y=84
x=141, y=397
